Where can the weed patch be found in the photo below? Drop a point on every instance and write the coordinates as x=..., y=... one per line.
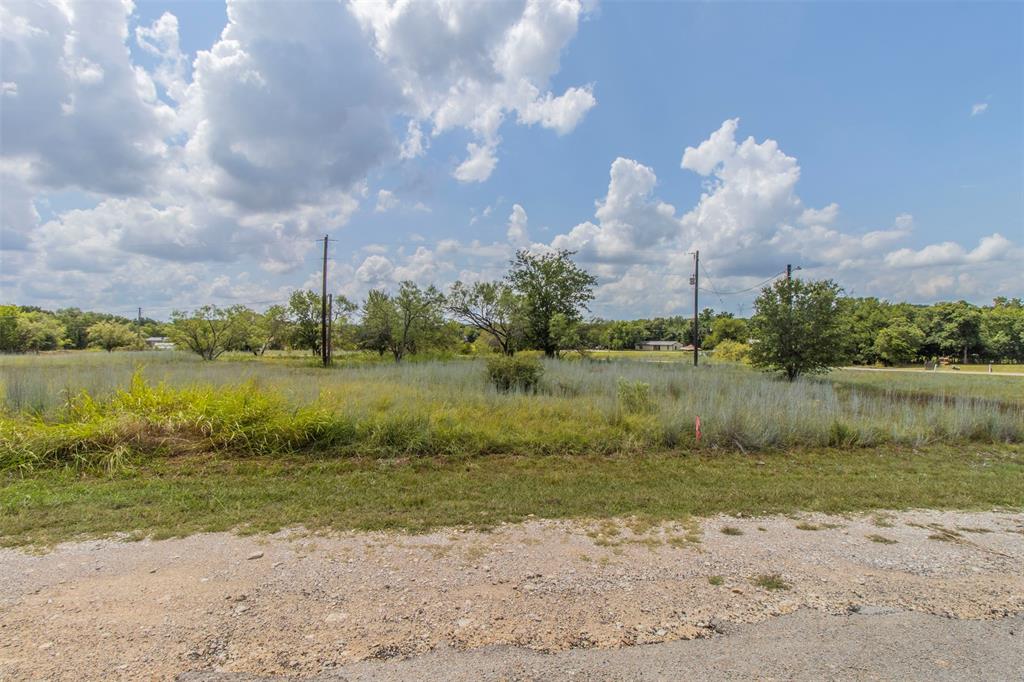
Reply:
x=771, y=581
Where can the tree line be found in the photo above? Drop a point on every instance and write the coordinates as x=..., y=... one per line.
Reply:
x=540, y=304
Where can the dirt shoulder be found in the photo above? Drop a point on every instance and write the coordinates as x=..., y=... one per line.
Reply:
x=302, y=605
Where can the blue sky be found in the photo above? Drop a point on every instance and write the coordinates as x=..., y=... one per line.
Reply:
x=887, y=148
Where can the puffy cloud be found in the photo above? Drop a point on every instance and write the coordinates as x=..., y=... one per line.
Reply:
x=517, y=226
x=386, y=200
x=630, y=220
x=375, y=269
x=748, y=223
x=751, y=194
x=820, y=216
x=469, y=64
x=240, y=153
x=275, y=139
x=413, y=146
x=160, y=39
x=77, y=112
x=479, y=165
x=991, y=248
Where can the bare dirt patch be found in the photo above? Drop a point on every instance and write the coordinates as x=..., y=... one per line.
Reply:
x=301, y=604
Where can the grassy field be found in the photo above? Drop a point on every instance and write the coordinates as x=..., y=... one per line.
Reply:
x=163, y=443
x=949, y=386
x=176, y=497
x=113, y=410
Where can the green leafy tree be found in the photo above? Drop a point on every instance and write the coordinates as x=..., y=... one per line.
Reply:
x=37, y=331
x=861, y=320
x=727, y=329
x=109, y=335
x=566, y=334
x=342, y=331
x=952, y=329
x=492, y=308
x=9, y=341
x=1002, y=330
x=625, y=334
x=258, y=332
x=549, y=284
x=403, y=324
x=304, y=310
x=899, y=343
x=796, y=327
x=380, y=317
x=210, y=330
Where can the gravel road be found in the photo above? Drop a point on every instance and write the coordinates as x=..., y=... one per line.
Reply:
x=918, y=594
x=806, y=645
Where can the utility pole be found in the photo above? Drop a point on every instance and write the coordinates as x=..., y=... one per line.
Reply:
x=323, y=310
x=330, y=328
x=696, y=308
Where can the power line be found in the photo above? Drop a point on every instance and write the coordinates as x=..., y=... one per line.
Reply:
x=743, y=291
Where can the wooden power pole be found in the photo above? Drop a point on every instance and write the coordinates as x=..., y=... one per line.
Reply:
x=330, y=328
x=323, y=311
x=696, y=308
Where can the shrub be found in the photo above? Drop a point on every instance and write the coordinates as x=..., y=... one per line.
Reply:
x=635, y=397
x=518, y=372
x=732, y=351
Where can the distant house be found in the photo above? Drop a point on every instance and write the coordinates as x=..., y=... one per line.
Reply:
x=662, y=345
x=159, y=343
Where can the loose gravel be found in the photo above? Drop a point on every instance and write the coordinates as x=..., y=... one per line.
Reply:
x=301, y=605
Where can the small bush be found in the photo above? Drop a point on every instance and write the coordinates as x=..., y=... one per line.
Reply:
x=520, y=373
x=732, y=351
x=635, y=397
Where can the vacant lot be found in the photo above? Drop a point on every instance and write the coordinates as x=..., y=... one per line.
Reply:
x=111, y=410
x=614, y=498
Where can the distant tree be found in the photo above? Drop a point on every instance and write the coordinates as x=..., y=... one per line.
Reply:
x=403, y=324
x=258, y=332
x=626, y=334
x=110, y=335
x=1002, y=330
x=549, y=284
x=420, y=318
x=899, y=343
x=9, y=341
x=209, y=330
x=342, y=331
x=566, y=334
x=952, y=329
x=380, y=317
x=861, y=320
x=304, y=310
x=492, y=308
x=37, y=331
x=726, y=329
x=795, y=327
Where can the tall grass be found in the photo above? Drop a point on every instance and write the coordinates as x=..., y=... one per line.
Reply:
x=107, y=410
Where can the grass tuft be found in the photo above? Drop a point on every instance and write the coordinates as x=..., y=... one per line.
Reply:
x=771, y=581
